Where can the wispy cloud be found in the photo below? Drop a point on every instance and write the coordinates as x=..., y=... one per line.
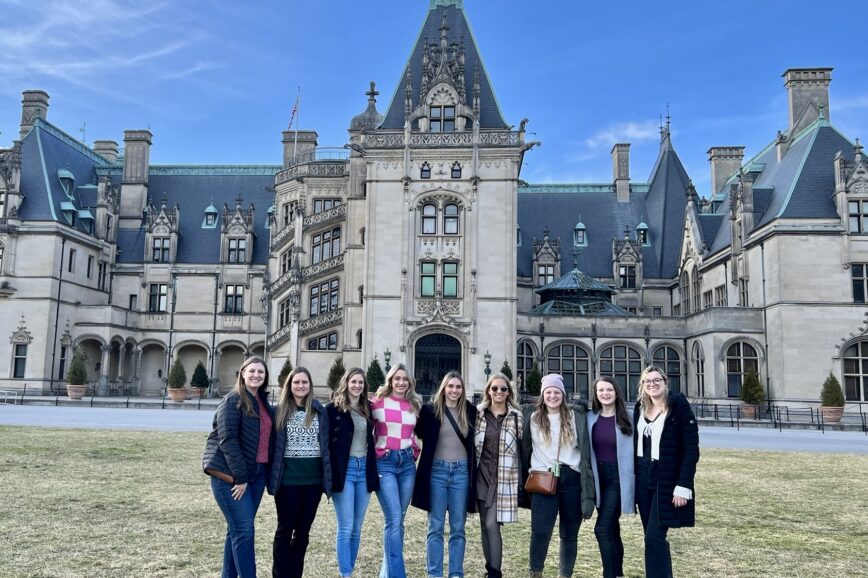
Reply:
x=190, y=71
x=857, y=102
x=631, y=132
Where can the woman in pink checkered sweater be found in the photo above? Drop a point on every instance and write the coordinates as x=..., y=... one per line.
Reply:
x=394, y=409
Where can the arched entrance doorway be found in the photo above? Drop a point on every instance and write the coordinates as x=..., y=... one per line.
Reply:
x=436, y=354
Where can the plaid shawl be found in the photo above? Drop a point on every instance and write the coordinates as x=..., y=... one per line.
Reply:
x=508, y=461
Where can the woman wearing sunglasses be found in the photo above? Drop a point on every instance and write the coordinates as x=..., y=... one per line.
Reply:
x=666, y=446
x=498, y=453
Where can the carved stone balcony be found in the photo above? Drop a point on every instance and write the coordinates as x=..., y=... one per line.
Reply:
x=279, y=336
x=314, y=324
x=312, y=169
x=338, y=213
x=322, y=268
x=487, y=138
x=284, y=236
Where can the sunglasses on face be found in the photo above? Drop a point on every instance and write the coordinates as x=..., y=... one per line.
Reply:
x=502, y=389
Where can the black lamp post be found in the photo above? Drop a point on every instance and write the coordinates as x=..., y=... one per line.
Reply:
x=487, y=358
x=387, y=356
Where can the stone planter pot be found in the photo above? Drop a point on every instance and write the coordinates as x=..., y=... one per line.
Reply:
x=749, y=411
x=197, y=392
x=179, y=394
x=832, y=414
x=74, y=391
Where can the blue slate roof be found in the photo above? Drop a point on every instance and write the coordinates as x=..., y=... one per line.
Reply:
x=459, y=28
x=799, y=186
x=660, y=205
x=194, y=189
x=49, y=156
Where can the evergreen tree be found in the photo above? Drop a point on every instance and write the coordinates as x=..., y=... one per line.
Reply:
x=375, y=375
x=832, y=394
x=200, y=377
x=534, y=380
x=177, y=375
x=336, y=373
x=284, y=372
x=506, y=370
x=752, y=390
x=77, y=372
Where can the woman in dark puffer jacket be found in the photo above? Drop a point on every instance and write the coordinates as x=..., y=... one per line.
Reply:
x=236, y=457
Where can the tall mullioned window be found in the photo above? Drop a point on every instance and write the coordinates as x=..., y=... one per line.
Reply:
x=450, y=219
x=573, y=363
x=19, y=360
x=627, y=276
x=326, y=245
x=741, y=359
x=450, y=279
x=545, y=275
x=858, y=216
x=234, y=299
x=283, y=313
x=856, y=372
x=237, y=252
x=667, y=359
x=324, y=297
x=429, y=219
x=427, y=278
x=699, y=368
x=859, y=272
x=442, y=119
x=158, y=297
x=320, y=205
x=624, y=364
x=323, y=342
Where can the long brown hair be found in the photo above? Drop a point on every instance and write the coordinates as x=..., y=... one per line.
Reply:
x=411, y=395
x=439, y=402
x=644, y=398
x=287, y=406
x=510, y=394
x=621, y=416
x=541, y=419
x=244, y=403
x=342, y=393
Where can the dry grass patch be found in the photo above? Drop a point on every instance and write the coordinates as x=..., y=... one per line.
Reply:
x=80, y=503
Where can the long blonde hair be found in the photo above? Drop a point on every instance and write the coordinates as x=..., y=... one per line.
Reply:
x=510, y=394
x=342, y=393
x=244, y=403
x=386, y=390
x=439, y=402
x=287, y=406
x=644, y=398
x=541, y=419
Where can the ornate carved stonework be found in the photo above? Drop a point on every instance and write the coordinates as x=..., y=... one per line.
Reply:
x=319, y=322
x=337, y=213
x=21, y=335
x=284, y=236
x=323, y=267
x=313, y=169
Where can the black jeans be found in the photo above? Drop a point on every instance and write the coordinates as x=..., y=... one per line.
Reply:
x=608, y=528
x=296, y=510
x=492, y=542
x=658, y=560
x=544, y=510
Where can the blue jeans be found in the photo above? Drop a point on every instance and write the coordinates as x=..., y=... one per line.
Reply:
x=397, y=471
x=350, y=506
x=449, y=486
x=239, y=556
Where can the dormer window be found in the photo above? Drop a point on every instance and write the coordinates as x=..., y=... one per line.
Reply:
x=642, y=234
x=210, y=220
x=237, y=251
x=160, y=249
x=67, y=181
x=425, y=172
x=442, y=119
x=858, y=216
x=456, y=170
x=580, y=235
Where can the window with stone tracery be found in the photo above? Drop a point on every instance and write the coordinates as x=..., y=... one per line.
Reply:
x=442, y=119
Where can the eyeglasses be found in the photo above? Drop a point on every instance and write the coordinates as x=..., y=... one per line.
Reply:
x=655, y=381
x=501, y=389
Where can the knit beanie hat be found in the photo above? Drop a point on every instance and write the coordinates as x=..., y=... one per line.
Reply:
x=553, y=380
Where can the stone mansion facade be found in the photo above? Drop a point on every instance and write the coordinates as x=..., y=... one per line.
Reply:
x=419, y=240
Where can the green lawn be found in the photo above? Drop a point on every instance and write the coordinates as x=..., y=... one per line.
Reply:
x=108, y=503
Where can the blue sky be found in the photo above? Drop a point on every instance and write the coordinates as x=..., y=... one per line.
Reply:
x=215, y=81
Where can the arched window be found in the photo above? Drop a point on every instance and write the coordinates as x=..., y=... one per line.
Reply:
x=699, y=368
x=856, y=372
x=450, y=219
x=573, y=363
x=525, y=358
x=624, y=364
x=429, y=219
x=697, y=290
x=741, y=359
x=425, y=171
x=685, y=293
x=456, y=170
x=667, y=359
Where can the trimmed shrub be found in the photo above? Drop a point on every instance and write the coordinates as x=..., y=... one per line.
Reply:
x=177, y=375
x=284, y=372
x=752, y=390
x=534, y=381
x=832, y=394
x=77, y=372
x=200, y=377
x=336, y=373
x=375, y=375
x=506, y=370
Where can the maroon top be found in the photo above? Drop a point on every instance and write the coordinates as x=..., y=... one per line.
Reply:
x=603, y=438
x=264, y=432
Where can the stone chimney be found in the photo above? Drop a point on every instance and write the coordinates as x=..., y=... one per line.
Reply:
x=300, y=148
x=107, y=149
x=34, y=104
x=725, y=161
x=807, y=93
x=134, y=185
x=621, y=171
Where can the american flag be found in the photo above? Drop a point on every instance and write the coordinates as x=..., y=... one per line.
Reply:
x=294, y=111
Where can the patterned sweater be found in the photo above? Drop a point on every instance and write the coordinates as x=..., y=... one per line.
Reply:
x=394, y=422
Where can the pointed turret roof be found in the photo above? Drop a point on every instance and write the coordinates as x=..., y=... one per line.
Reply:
x=451, y=14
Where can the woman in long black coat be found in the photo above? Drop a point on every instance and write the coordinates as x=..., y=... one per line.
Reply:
x=666, y=446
